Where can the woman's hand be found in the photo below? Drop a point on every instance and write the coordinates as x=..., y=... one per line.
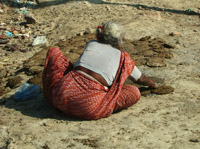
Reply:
x=144, y=80
x=152, y=84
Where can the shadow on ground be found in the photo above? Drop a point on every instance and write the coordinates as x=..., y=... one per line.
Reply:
x=36, y=107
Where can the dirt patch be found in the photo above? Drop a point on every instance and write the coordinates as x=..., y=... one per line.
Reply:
x=91, y=142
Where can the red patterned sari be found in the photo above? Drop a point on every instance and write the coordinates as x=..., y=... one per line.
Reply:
x=76, y=94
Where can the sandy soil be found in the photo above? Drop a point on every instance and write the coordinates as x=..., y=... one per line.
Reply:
x=170, y=121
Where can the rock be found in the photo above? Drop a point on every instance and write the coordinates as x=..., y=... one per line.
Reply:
x=29, y=19
x=194, y=140
x=168, y=46
x=108, y=8
x=174, y=33
x=140, y=8
x=1, y=11
x=14, y=81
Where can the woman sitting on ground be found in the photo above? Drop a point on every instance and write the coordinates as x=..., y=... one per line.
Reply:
x=94, y=87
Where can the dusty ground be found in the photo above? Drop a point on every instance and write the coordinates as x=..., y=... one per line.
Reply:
x=169, y=121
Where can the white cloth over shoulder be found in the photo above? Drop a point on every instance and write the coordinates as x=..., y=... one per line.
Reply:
x=136, y=73
x=104, y=60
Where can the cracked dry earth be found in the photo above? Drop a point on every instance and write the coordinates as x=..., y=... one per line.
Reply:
x=157, y=121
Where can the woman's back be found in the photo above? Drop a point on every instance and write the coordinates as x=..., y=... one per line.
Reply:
x=102, y=59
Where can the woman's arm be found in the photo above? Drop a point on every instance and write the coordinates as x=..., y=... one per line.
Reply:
x=144, y=80
x=138, y=77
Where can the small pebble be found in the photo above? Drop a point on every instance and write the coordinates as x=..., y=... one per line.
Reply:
x=194, y=140
x=174, y=33
x=29, y=19
x=1, y=11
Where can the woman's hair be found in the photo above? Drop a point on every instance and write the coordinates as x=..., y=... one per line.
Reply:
x=110, y=33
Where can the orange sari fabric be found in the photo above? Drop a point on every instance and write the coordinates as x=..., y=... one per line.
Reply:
x=76, y=94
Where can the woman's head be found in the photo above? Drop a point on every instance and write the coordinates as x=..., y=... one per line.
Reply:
x=111, y=33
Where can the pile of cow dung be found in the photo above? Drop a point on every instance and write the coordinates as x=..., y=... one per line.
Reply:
x=150, y=52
